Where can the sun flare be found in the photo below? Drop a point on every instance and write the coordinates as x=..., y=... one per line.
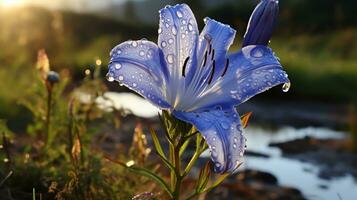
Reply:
x=11, y=3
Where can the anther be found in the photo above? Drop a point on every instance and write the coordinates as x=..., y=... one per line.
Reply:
x=184, y=66
x=204, y=59
x=225, y=67
x=212, y=72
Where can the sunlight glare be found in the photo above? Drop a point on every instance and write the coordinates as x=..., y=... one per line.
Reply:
x=11, y=3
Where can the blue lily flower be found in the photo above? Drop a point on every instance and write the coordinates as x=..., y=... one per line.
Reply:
x=193, y=76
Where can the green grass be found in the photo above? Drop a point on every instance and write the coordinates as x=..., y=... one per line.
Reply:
x=320, y=66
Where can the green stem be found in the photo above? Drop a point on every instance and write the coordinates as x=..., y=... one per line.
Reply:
x=48, y=114
x=178, y=178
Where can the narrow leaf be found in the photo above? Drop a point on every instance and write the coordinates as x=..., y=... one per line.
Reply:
x=144, y=172
x=184, y=146
x=216, y=183
x=157, y=144
x=203, y=177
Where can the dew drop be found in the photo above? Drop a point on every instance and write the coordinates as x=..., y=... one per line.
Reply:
x=241, y=153
x=171, y=41
x=163, y=44
x=142, y=53
x=225, y=125
x=190, y=27
x=121, y=78
x=170, y=58
x=134, y=84
x=184, y=22
x=173, y=30
x=119, y=52
x=117, y=66
x=257, y=53
x=234, y=146
x=150, y=53
x=167, y=25
x=205, y=20
x=183, y=35
x=179, y=14
x=286, y=87
x=235, y=140
x=134, y=44
x=159, y=31
x=109, y=77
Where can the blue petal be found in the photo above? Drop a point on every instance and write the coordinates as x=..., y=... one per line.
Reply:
x=220, y=36
x=222, y=131
x=139, y=66
x=251, y=71
x=261, y=23
x=178, y=36
x=215, y=41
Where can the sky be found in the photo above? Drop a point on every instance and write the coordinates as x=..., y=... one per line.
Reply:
x=76, y=5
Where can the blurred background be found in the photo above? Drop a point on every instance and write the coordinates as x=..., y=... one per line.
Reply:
x=301, y=144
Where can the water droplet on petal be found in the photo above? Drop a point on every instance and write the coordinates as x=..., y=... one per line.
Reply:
x=179, y=14
x=241, y=153
x=170, y=58
x=235, y=140
x=167, y=25
x=171, y=41
x=117, y=66
x=286, y=87
x=159, y=31
x=173, y=30
x=121, y=78
x=218, y=165
x=134, y=84
x=190, y=27
x=233, y=91
x=225, y=125
x=150, y=53
x=205, y=20
x=234, y=146
x=183, y=35
x=257, y=52
x=183, y=22
x=134, y=43
x=163, y=44
x=141, y=53
x=109, y=77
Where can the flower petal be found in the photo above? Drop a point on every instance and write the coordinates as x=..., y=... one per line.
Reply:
x=215, y=41
x=178, y=35
x=222, y=131
x=261, y=23
x=139, y=66
x=251, y=71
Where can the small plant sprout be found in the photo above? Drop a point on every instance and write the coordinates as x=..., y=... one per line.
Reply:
x=197, y=83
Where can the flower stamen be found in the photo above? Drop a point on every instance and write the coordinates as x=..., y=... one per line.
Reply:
x=184, y=66
x=225, y=67
x=212, y=72
x=212, y=57
x=205, y=59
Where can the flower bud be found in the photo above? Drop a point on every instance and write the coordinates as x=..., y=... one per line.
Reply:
x=261, y=23
x=53, y=77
